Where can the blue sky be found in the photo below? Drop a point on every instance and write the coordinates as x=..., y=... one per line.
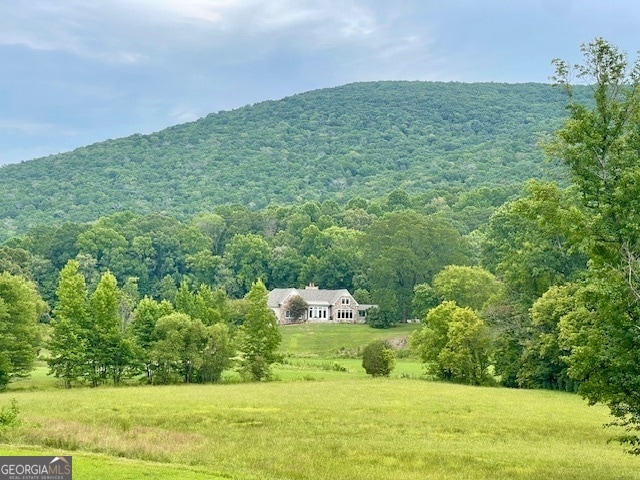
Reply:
x=75, y=72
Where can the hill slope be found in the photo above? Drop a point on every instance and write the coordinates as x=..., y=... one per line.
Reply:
x=360, y=139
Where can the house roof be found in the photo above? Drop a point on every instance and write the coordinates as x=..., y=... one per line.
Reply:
x=313, y=296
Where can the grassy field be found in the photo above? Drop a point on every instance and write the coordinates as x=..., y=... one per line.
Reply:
x=337, y=340
x=318, y=422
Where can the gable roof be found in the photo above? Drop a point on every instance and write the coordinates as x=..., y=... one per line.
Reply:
x=313, y=296
x=277, y=296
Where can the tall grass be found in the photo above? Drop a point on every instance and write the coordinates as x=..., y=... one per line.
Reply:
x=349, y=427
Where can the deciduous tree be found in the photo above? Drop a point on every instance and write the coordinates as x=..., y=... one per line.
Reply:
x=404, y=249
x=259, y=336
x=600, y=144
x=69, y=335
x=297, y=307
x=110, y=349
x=467, y=286
x=20, y=309
x=544, y=363
x=454, y=343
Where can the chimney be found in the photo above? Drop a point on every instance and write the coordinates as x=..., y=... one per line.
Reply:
x=311, y=286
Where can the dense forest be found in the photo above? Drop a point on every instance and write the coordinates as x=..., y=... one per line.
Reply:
x=363, y=139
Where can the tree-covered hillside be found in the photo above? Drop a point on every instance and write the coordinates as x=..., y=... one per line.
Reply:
x=360, y=139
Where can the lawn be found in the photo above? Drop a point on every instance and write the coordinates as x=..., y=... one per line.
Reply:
x=337, y=340
x=324, y=418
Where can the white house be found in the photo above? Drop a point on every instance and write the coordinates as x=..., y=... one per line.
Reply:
x=325, y=306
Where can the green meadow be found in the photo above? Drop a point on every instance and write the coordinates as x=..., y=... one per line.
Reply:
x=317, y=421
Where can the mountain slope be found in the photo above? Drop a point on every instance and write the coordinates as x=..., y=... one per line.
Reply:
x=360, y=139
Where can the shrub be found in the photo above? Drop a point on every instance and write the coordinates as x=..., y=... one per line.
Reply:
x=378, y=359
x=380, y=318
x=9, y=415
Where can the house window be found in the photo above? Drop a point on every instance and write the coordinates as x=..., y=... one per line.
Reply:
x=287, y=314
x=317, y=312
x=345, y=301
x=345, y=314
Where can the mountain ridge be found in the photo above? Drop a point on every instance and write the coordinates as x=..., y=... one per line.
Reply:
x=360, y=139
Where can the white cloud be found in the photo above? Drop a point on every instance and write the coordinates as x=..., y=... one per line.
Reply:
x=183, y=114
x=129, y=32
x=22, y=127
x=254, y=16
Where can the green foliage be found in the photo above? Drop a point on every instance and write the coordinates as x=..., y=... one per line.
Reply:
x=208, y=305
x=145, y=318
x=431, y=339
x=424, y=299
x=297, y=307
x=404, y=249
x=465, y=357
x=378, y=359
x=529, y=243
x=248, y=257
x=259, y=336
x=381, y=316
x=363, y=139
x=20, y=309
x=467, y=286
x=90, y=339
x=218, y=353
x=171, y=352
x=510, y=329
x=9, y=415
x=455, y=344
x=186, y=350
x=69, y=336
x=544, y=358
x=600, y=145
x=110, y=350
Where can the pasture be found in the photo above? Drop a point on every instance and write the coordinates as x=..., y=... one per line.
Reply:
x=318, y=422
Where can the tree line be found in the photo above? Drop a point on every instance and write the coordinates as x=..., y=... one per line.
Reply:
x=98, y=338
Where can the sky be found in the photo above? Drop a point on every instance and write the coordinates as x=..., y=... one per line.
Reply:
x=75, y=72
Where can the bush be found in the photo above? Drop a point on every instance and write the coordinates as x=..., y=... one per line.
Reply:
x=9, y=415
x=378, y=359
x=380, y=318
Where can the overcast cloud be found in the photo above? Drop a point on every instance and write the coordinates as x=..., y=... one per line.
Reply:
x=77, y=72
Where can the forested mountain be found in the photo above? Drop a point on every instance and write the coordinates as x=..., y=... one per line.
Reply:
x=361, y=139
